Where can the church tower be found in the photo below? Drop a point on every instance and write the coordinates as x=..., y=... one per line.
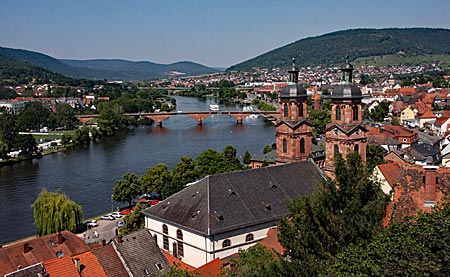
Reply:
x=293, y=131
x=345, y=133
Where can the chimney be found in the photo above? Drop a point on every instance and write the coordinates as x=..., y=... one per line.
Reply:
x=116, y=232
x=430, y=184
x=77, y=264
x=119, y=239
x=103, y=242
x=381, y=130
x=60, y=238
x=26, y=247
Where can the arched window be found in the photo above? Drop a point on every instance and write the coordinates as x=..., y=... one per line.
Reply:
x=302, y=145
x=249, y=237
x=355, y=112
x=286, y=110
x=284, y=146
x=356, y=148
x=300, y=110
x=226, y=243
x=165, y=237
x=338, y=112
x=180, y=247
x=336, y=149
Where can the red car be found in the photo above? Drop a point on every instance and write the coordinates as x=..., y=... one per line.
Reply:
x=125, y=211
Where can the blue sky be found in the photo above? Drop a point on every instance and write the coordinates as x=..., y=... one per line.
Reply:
x=211, y=32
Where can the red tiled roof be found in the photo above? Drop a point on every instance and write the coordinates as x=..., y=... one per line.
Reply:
x=441, y=120
x=90, y=266
x=211, y=269
x=61, y=267
x=428, y=114
x=111, y=263
x=271, y=241
x=40, y=249
x=392, y=172
x=174, y=262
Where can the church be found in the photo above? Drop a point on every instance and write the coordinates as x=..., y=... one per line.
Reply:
x=219, y=215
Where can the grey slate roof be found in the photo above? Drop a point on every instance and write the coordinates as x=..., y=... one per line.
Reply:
x=346, y=92
x=230, y=201
x=141, y=254
x=293, y=91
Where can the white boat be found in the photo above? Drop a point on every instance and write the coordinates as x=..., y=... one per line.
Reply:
x=248, y=109
x=253, y=116
x=213, y=107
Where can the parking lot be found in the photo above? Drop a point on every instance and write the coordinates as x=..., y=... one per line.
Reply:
x=105, y=230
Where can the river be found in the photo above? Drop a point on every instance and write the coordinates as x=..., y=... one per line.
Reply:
x=88, y=175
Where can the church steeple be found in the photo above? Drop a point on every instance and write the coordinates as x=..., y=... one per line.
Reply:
x=347, y=72
x=293, y=74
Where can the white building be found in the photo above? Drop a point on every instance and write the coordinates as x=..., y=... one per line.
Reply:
x=221, y=214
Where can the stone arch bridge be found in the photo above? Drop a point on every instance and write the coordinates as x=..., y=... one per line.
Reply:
x=158, y=118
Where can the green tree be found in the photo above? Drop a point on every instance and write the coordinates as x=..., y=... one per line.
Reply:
x=156, y=179
x=247, y=158
x=380, y=112
x=375, y=156
x=65, y=115
x=27, y=144
x=32, y=116
x=346, y=211
x=395, y=121
x=177, y=272
x=127, y=188
x=8, y=132
x=418, y=247
x=210, y=162
x=231, y=160
x=320, y=118
x=54, y=212
x=183, y=173
x=267, y=149
x=133, y=221
x=110, y=118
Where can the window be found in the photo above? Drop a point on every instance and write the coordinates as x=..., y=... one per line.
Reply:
x=356, y=148
x=284, y=146
x=249, y=237
x=286, y=110
x=180, y=243
x=355, y=112
x=165, y=237
x=302, y=145
x=226, y=243
x=338, y=113
x=300, y=110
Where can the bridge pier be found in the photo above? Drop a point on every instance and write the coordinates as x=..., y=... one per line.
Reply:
x=199, y=122
x=239, y=121
x=159, y=123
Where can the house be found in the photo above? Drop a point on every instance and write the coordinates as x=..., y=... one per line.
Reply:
x=441, y=125
x=427, y=118
x=407, y=117
x=37, y=250
x=84, y=265
x=403, y=136
x=110, y=261
x=221, y=214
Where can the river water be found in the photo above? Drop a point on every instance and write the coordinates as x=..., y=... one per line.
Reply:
x=88, y=175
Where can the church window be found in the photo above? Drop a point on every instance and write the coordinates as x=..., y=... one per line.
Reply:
x=302, y=145
x=286, y=110
x=226, y=243
x=165, y=237
x=284, y=146
x=180, y=243
x=338, y=113
x=356, y=148
x=355, y=112
x=300, y=110
x=249, y=237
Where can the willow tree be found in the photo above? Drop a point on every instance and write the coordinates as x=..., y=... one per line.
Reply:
x=54, y=212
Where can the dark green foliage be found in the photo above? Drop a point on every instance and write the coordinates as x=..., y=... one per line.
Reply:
x=156, y=179
x=27, y=144
x=176, y=272
x=380, y=112
x=6, y=93
x=64, y=116
x=54, y=212
x=418, y=247
x=211, y=162
x=33, y=116
x=320, y=118
x=329, y=49
x=374, y=156
x=133, y=221
x=80, y=137
x=8, y=132
x=247, y=158
x=127, y=188
x=183, y=173
x=267, y=149
x=110, y=118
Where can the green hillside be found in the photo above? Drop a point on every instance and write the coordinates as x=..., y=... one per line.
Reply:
x=414, y=45
x=104, y=68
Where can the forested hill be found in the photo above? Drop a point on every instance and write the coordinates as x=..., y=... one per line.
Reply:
x=367, y=45
x=106, y=69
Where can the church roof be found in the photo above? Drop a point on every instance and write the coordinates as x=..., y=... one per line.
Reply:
x=346, y=91
x=293, y=91
x=234, y=200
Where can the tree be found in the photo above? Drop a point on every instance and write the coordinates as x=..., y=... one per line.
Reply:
x=65, y=115
x=267, y=149
x=247, y=158
x=54, y=212
x=417, y=247
x=183, y=173
x=155, y=179
x=320, y=118
x=210, y=162
x=110, y=118
x=346, y=211
x=27, y=144
x=127, y=188
x=133, y=221
x=32, y=116
x=380, y=112
x=8, y=132
x=231, y=159
x=375, y=156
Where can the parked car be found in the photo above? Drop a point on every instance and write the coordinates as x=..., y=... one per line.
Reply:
x=116, y=214
x=125, y=211
x=107, y=217
x=91, y=223
x=120, y=224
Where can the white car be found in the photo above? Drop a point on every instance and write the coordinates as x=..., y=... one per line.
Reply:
x=91, y=223
x=120, y=224
x=107, y=217
x=116, y=214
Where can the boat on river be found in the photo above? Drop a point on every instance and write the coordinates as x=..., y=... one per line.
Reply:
x=214, y=107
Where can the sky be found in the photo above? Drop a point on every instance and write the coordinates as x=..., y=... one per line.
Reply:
x=216, y=33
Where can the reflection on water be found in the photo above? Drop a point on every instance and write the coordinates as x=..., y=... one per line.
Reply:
x=87, y=175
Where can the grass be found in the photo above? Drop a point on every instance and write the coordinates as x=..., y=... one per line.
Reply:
x=51, y=135
x=396, y=59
